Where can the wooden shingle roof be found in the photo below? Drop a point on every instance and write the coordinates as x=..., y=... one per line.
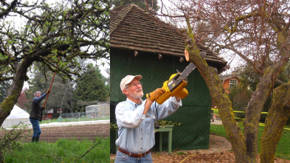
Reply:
x=133, y=28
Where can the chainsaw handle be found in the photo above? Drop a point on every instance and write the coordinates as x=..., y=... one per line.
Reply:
x=179, y=91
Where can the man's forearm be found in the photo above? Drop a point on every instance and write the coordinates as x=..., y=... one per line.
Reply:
x=38, y=99
x=170, y=106
x=147, y=105
x=42, y=96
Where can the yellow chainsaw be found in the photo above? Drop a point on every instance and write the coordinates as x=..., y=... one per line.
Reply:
x=176, y=84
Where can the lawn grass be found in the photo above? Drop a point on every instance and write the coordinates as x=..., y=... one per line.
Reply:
x=62, y=151
x=283, y=148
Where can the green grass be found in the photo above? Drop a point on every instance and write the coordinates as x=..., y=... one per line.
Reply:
x=62, y=151
x=73, y=119
x=282, y=150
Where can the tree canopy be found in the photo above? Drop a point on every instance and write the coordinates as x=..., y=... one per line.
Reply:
x=91, y=85
x=6, y=7
x=55, y=36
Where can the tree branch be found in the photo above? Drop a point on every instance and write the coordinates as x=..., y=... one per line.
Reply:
x=12, y=6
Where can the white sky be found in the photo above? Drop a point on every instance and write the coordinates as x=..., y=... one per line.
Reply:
x=232, y=59
x=104, y=65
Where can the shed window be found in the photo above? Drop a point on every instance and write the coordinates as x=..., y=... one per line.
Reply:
x=233, y=83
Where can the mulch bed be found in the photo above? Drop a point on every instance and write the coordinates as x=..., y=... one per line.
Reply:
x=219, y=151
x=200, y=157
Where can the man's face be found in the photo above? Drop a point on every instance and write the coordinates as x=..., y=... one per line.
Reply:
x=134, y=89
x=38, y=94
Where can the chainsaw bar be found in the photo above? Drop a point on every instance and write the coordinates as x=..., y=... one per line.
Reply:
x=174, y=82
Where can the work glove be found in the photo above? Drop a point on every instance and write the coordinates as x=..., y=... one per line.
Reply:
x=155, y=94
x=182, y=93
x=47, y=92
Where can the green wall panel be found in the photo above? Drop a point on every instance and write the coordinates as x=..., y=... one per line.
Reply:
x=195, y=112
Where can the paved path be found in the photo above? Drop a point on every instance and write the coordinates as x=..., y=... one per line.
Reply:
x=216, y=122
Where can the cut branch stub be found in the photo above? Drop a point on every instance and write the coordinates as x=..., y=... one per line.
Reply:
x=186, y=54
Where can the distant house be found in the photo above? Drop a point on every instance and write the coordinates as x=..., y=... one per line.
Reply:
x=140, y=43
x=47, y=114
x=230, y=81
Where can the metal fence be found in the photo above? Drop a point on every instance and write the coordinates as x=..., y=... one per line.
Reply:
x=93, y=112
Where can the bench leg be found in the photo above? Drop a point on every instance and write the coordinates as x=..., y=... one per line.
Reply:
x=170, y=142
x=160, y=142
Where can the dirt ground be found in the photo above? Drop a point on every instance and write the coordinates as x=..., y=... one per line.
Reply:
x=218, y=152
x=80, y=132
x=219, y=148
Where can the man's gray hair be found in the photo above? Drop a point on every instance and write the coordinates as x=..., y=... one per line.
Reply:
x=36, y=93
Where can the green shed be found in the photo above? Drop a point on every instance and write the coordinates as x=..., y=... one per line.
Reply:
x=140, y=43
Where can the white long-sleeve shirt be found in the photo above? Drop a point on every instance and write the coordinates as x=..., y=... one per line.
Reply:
x=136, y=130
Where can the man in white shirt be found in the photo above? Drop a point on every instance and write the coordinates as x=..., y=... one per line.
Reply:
x=135, y=120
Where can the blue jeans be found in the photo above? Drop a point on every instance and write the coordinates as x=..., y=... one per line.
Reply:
x=36, y=128
x=123, y=158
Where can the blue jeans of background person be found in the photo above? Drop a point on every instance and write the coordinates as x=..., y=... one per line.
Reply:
x=123, y=158
x=36, y=129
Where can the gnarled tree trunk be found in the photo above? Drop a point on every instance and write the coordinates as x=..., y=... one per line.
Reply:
x=277, y=118
x=15, y=90
x=219, y=99
x=245, y=145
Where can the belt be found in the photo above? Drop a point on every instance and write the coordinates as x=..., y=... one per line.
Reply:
x=137, y=155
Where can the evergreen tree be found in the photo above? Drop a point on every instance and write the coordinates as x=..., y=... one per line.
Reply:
x=91, y=85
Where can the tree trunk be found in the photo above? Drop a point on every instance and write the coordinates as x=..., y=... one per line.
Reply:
x=219, y=99
x=277, y=117
x=15, y=90
x=254, y=109
x=245, y=145
x=1, y=157
x=256, y=104
x=223, y=103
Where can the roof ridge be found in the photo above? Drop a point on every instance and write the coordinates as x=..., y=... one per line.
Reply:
x=130, y=6
x=146, y=32
x=159, y=20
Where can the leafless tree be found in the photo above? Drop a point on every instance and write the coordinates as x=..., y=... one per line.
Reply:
x=258, y=32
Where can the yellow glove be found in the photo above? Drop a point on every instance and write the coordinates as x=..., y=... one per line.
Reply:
x=155, y=94
x=182, y=93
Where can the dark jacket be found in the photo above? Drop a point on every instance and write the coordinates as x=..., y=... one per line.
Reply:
x=36, y=110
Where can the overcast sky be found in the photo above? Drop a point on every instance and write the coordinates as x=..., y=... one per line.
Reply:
x=105, y=64
x=233, y=60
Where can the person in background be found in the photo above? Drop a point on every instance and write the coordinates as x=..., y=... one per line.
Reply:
x=36, y=114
